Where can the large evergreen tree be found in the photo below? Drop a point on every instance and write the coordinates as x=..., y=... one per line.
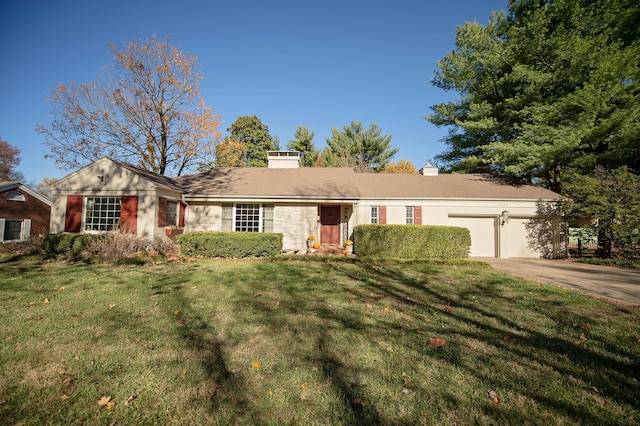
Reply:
x=364, y=149
x=548, y=87
x=303, y=142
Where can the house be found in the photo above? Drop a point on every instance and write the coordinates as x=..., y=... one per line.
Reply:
x=505, y=219
x=23, y=212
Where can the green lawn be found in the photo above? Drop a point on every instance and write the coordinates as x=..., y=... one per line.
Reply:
x=313, y=341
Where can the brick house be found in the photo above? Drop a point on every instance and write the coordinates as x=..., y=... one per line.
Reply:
x=23, y=212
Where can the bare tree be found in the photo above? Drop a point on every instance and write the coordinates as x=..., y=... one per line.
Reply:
x=146, y=110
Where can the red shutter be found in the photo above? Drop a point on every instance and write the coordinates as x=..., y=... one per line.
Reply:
x=417, y=215
x=162, y=212
x=183, y=208
x=383, y=215
x=73, y=218
x=129, y=214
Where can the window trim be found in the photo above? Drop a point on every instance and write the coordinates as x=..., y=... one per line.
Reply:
x=25, y=230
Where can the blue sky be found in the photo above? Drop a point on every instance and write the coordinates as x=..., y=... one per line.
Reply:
x=319, y=64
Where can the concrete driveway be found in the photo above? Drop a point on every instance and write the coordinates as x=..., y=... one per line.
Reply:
x=617, y=283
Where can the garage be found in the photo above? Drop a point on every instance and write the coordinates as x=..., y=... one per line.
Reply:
x=483, y=234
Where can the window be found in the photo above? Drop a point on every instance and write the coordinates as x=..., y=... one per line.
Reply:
x=227, y=218
x=171, y=213
x=374, y=215
x=102, y=213
x=16, y=196
x=409, y=216
x=15, y=229
x=267, y=218
x=12, y=230
x=247, y=218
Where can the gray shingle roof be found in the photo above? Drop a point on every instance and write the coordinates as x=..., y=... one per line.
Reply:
x=344, y=183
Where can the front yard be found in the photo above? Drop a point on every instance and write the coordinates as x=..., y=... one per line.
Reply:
x=311, y=341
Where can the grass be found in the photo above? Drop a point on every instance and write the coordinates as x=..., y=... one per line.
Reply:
x=320, y=341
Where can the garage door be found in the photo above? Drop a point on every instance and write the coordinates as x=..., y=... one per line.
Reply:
x=527, y=238
x=483, y=234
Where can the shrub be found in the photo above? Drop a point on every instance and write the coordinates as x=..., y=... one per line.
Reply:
x=229, y=244
x=412, y=241
x=70, y=245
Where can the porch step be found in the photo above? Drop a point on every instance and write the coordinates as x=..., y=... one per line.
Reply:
x=327, y=250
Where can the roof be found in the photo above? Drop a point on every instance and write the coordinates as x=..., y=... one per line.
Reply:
x=342, y=183
x=467, y=186
x=265, y=182
x=10, y=185
x=339, y=184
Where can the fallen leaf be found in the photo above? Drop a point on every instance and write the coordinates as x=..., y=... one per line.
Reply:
x=110, y=405
x=130, y=399
x=111, y=306
x=211, y=392
x=234, y=400
x=583, y=337
x=64, y=397
x=46, y=300
x=387, y=309
x=256, y=364
x=104, y=401
x=437, y=342
x=405, y=390
x=494, y=397
x=176, y=312
x=184, y=372
x=67, y=381
x=303, y=386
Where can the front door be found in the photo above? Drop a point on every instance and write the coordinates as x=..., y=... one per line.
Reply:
x=330, y=225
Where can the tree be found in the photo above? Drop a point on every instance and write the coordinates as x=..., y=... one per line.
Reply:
x=611, y=199
x=146, y=110
x=255, y=135
x=402, y=166
x=548, y=87
x=46, y=186
x=303, y=142
x=366, y=150
x=9, y=160
x=231, y=153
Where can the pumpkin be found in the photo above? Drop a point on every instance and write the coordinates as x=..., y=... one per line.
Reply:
x=316, y=246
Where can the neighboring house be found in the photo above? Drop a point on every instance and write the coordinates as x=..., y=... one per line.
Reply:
x=505, y=220
x=23, y=212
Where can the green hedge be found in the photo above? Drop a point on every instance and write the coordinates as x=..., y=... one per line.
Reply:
x=412, y=241
x=67, y=244
x=229, y=244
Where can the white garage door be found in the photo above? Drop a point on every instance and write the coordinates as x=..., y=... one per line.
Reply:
x=483, y=234
x=525, y=238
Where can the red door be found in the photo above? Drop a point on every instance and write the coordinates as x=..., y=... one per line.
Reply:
x=330, y=225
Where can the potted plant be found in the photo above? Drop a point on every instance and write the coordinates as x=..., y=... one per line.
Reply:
x=348, y=246
x=172, y=230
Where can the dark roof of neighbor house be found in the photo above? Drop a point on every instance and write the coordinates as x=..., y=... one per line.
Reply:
x=9, y=185
x=345, y=183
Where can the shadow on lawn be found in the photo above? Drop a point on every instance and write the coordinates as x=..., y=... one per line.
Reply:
x=596, y=375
